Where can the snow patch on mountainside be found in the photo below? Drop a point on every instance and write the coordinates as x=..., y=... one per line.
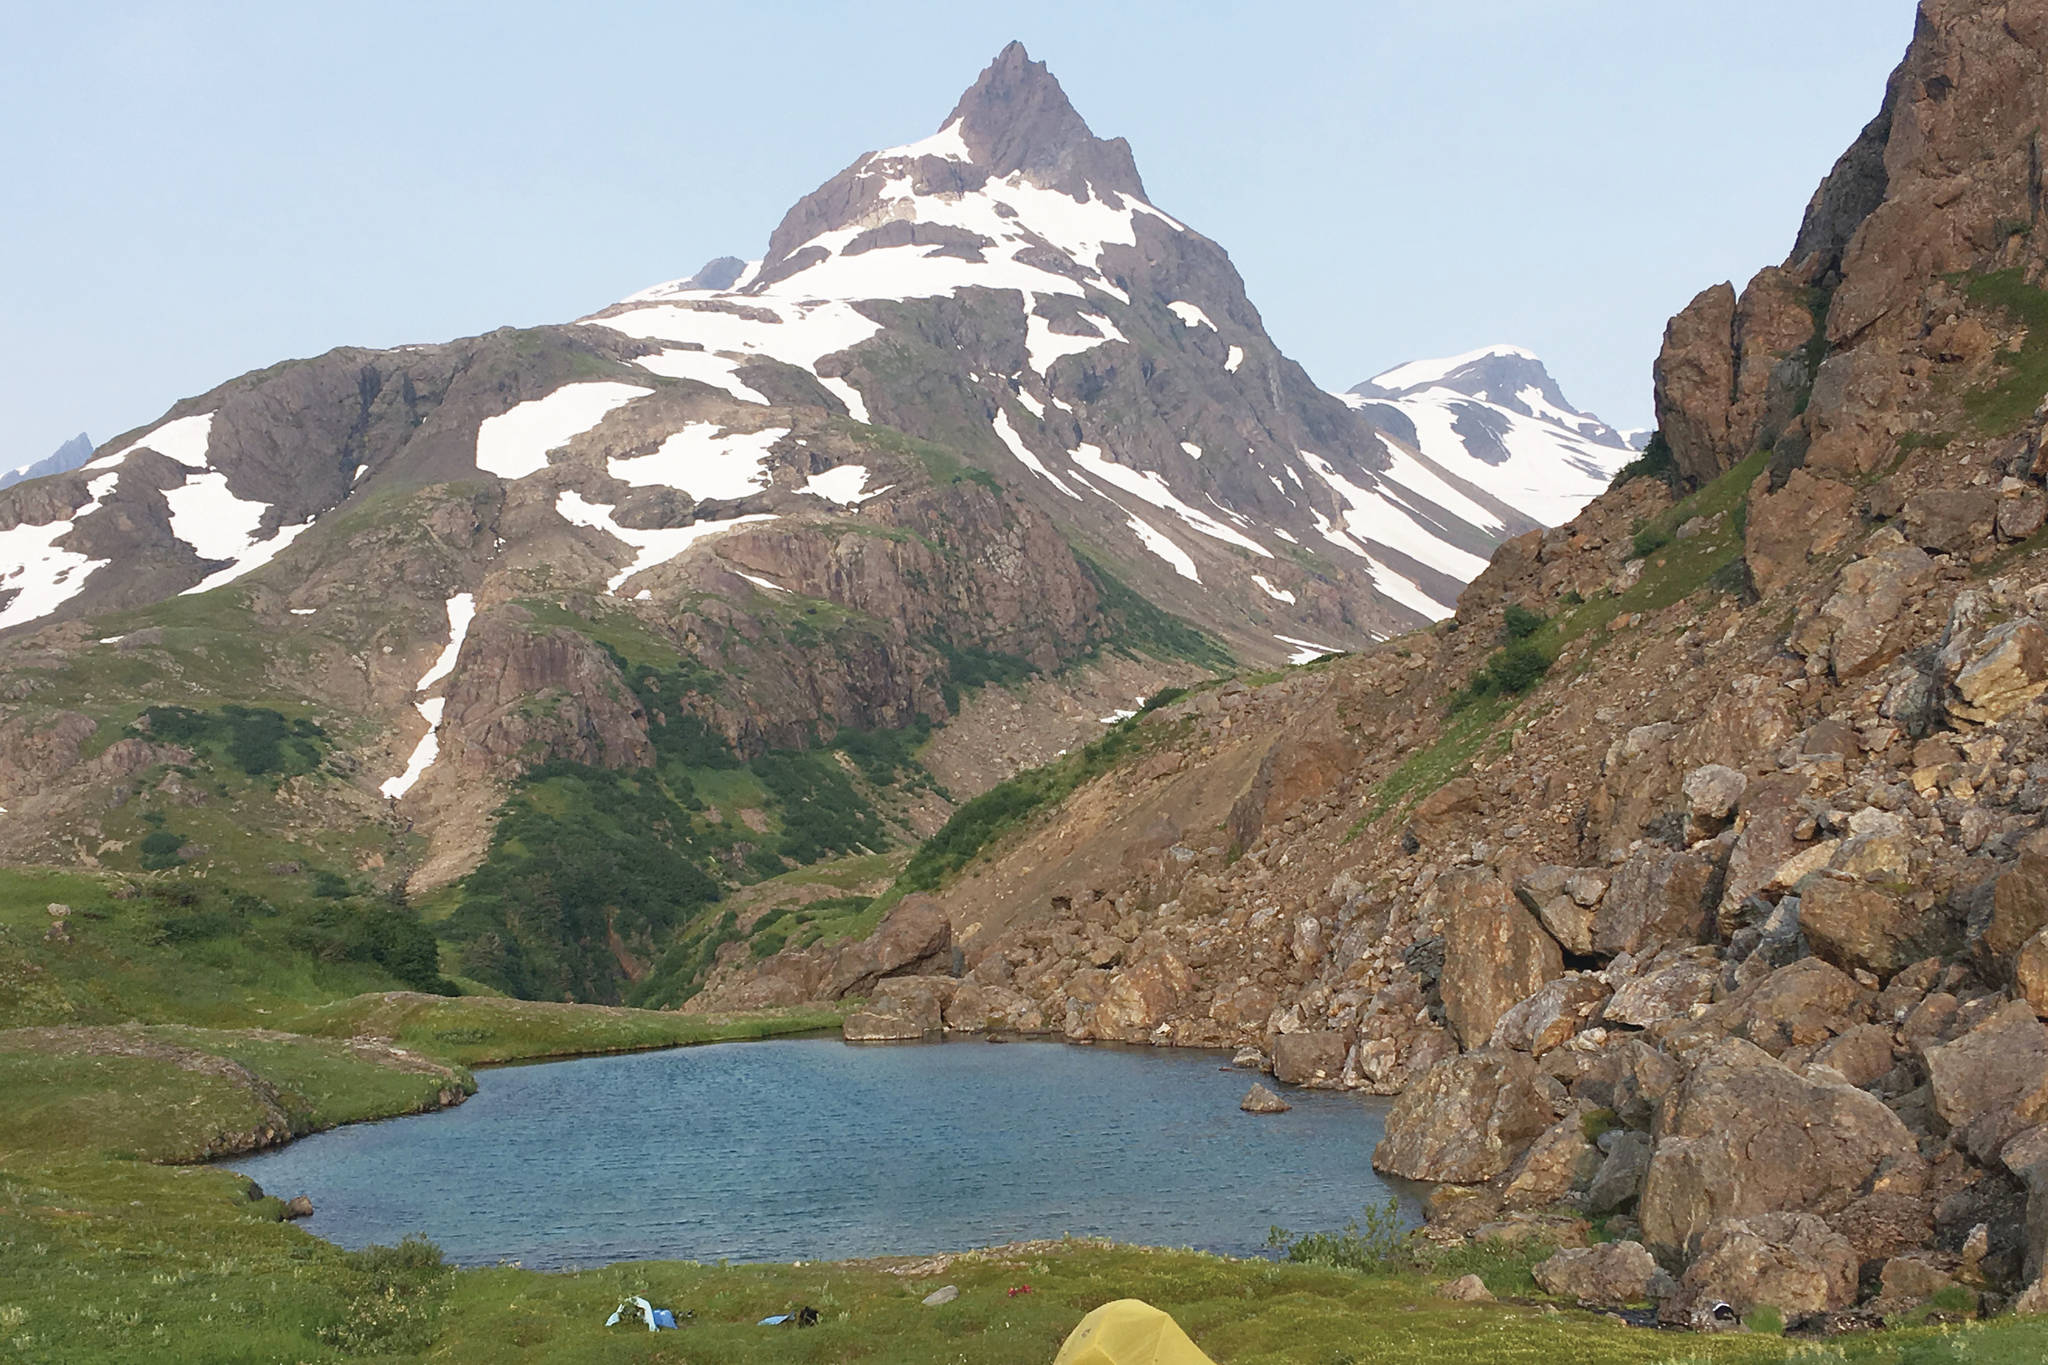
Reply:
x=515, y=444
x=461, y=611
x=651, y=547
x=704, y=461
x=1417, y=373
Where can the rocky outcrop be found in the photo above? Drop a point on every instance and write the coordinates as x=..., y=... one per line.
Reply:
x=1742, y=1134
x=1608, y=1275
x=1790, y=1262
x=1466, y=1120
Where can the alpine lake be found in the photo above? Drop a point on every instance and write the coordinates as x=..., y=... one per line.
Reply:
x=810, y=1148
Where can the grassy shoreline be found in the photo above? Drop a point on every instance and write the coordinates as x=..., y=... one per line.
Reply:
x=114, y=1247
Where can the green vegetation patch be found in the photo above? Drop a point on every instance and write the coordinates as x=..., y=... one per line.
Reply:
x=2008, y=404
x=1136, y=626
x=1008, y=805
x=255, y=740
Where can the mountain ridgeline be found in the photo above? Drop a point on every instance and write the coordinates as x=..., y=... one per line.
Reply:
x=582, y=627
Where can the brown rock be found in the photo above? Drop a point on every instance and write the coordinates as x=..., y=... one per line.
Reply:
x=1314, y=1057
x=1656, y=898
x=1694, y=383
x=1808, y=517
x=914, y=937
x=1666, y=988
x=1855, y=925
x=1466, y=1120
x=1742, y=1134
x=1606, y=1275
x=2030, y=972
x=1465, y=1289
x=1993, y=1081
x=1951, y=520
x=1259, y=1100
x=1797, y=1005
x=2019, y=906
x=1550, y=1017
x=2005, y=672
x=1792, y=1262
x=298, y=1206
x=1495, y=954
x=1863, y=1054
x=1556, y=1163
x=1618, y=1182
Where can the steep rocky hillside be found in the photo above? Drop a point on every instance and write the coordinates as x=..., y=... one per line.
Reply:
x=567, y=632
x=1693, y=876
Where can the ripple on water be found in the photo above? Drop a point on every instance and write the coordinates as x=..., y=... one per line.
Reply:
x=813, y=1149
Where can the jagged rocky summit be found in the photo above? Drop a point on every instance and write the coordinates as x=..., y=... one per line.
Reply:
x=63, y=460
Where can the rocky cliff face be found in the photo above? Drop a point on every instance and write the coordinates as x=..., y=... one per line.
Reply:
x=1693, y=875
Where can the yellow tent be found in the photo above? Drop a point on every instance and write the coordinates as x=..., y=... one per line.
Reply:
x=1130, y=1332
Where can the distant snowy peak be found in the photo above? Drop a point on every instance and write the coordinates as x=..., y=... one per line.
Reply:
x=1506, y=376
x=1497, y=417
x=68, y=457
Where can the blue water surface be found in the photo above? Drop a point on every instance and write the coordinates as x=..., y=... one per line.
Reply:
x=814, y=1149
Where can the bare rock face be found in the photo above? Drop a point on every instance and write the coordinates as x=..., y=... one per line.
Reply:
x=1743, y=1134
x=1559, y=1161
x=1809, y=518
x=1872, y=927
x=2030, y=972
x=1804, y=1003
x=1315, y=1057
x=1495, y=954
x=1694, y=381
x=1669, y=987
x=491, y=725
x=1993, y=1081
x=1857, y=630
x=1467, y=1120
x=914, y=937
x=1607, y=1275
x=2019, y=906
x=1791, y=1262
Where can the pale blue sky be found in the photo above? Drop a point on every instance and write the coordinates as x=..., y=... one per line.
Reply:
x=194, y=190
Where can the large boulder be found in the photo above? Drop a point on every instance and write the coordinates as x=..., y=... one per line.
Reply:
x=1559, y=1161
x=1993, y=1081
x=1856, y=630
x=1656, y=899
x=904, y=1007
x=1314, y=1057
x=1804, y=1003
x=2005, y=671
x=1668, y=987
x=1743, y=1134
x=1142, y=996
x=1466, y=1120
x=1878, y=928
x=1792, y=1262
x=1495, y=953
x=1605, y=1275
x=1620, y=1177
x=1549, y=1018
x=1950, y=520
x=2019, y=906
x=978, y=1007
x=915, y=937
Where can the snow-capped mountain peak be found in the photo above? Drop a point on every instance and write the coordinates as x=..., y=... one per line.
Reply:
x=1495, y=415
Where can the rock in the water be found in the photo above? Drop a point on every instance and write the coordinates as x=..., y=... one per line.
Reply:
x=1791, y=1262
x=298, y=1206
x=1608, y=1275
x=1259, y=1100
x=1465, y=1289
x=1466, y=1120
